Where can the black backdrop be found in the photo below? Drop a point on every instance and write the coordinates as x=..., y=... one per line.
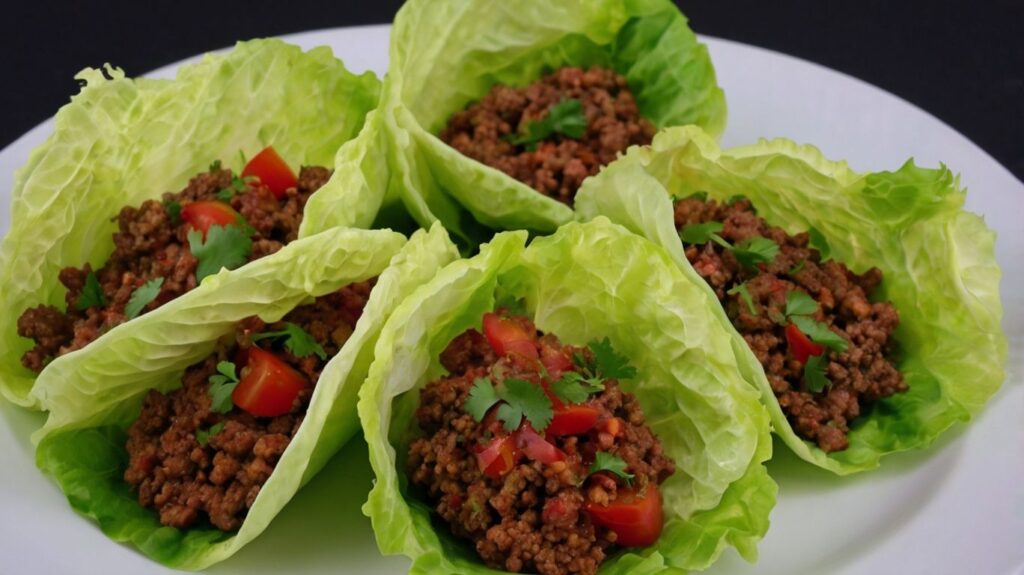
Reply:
x=961, y=60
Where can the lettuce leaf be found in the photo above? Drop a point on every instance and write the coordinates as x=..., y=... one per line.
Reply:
x=94, y=397
x=586, y=282
x=122, y=141
x=938, y=262
x=447, y=55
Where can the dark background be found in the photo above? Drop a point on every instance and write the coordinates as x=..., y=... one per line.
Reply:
x=961, y=61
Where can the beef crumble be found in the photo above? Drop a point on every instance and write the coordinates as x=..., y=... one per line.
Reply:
x=152, y=242
x=559, y=164
x=185, y=479
x=860, y=375
x=534, y=517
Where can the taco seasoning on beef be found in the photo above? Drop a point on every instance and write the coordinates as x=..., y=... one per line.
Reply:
x=204, y=450
x=826, y=347
x=555, y=132
x=532, y=452
x=231, y=220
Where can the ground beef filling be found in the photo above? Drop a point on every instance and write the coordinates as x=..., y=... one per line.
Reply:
x=559, y=164
x=860, y=375
x=187, y=480
x=151, y=242
x=532, y=518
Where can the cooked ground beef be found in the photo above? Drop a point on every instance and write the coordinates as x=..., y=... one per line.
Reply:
x=533, y=517
x=152, y=242
x=862, y=374
x=186, y=480
x=559, y=164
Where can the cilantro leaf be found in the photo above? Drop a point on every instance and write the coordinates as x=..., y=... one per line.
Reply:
x=529, y=400
x=92, y=294
x=610, y=363
x=142, y=296
x=297, y=341
x=818, y=242
x=510, y=415
x=565, y=117
x=604, y=461
x=215, y=166
x=482, y=397
x=222, y=385
x=799, y=303
x=237, y=186
x=820, y=333
x=744, y=293
x=700, y=233
x=173, y=209
x=224, y=247
x=796, y=269
x=755, y=250
x=574, y=388
x=814, y=373
x=203, y=435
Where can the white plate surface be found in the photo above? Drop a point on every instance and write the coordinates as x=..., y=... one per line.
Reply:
x=955, y=508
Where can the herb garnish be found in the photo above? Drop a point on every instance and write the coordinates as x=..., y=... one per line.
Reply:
x=222, y=384
x=142, y=296
x=519, y=399
x=203, y=435
x=92, y=294
x=237, y=186
x=604, y=461
x=565, y=117
x=574, y=388
x=796, y=269
x=215, y=166
x=173, y=209
x=814, y=373
x=749, y=252
x=744, y=293
x=224, y=247
x=297, y=341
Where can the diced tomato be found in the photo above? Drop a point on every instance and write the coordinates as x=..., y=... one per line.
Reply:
x=268, y=385
x=536, y=447
x=800, y=345
x=208, y=213
x=555, y=361
x=272, y=171
x=612, y=425
x=572, y=420
x=508, y=336
x=636, y=521
x=497, y=457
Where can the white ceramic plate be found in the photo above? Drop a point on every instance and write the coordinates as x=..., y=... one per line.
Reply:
x=955, y=508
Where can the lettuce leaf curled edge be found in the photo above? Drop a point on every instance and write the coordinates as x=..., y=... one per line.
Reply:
x=94, y=397
x=585, y=282
x=122, y=141
x=938, y=263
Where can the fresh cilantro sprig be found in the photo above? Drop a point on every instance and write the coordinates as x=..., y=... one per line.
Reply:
x=224, y=247
x=296, y=340
x=238, y=185
x=222, y=385
x=518, y=399
x=215, y=166
x=797, y=268
x=92, y=294
x=203, y=435
x=573, y=387
x=744, y=293
x=604, y=461
x=820, y=333
x=749, y=252
x=814, y=373
x=142, y=296
x=566, y=118
x=173, y=209
x=799, y=308
x=609, y=363
x=799, y=303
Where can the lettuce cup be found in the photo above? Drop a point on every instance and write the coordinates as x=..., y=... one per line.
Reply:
x=554, y=90
x=186, y=432
x=864, y=307
x=563, y=407
x=147, y=186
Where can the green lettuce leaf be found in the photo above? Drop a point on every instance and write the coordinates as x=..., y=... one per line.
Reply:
x=586, y=282
x=94, y=397
x=122, y=141
x=938, y=262
x=447, y=55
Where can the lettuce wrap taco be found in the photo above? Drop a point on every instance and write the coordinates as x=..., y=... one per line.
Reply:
x=93, y=244
x=563, y=407
x=482, y=97
x=866, y=306
x=185, y=432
